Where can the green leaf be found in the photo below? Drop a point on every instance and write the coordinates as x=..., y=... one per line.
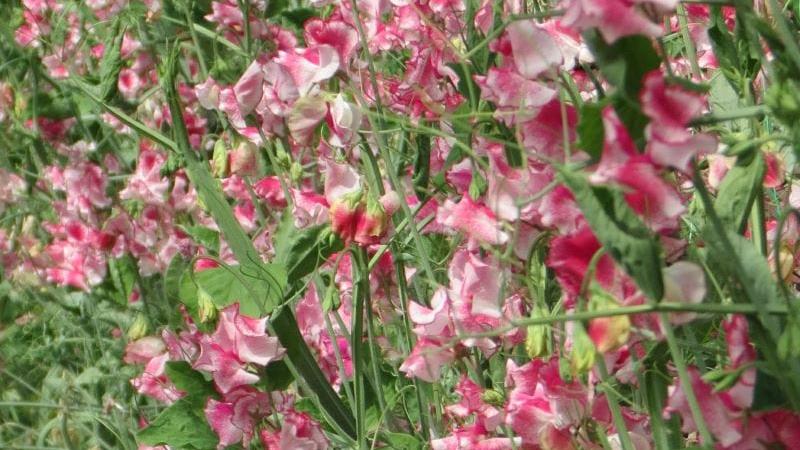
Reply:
x=299, y=16
x=276, y=376
x=624, y=64
x=173, y=276
x=591, y=133
x=741, y=268
x=738, y=190
x=123, y=272
x=275, y=7
x=302, y=251
x=623, y=235
x=111, y=64
x=206, y=237
x=422, y=161
x=182, y=425
x=258, y=293
x=188, y=380
x=402, y=441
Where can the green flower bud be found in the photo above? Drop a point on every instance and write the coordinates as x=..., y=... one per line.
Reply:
x=139, y=328
x=206, y=309
x=493, y=397
x=583, y=350
x=538, y=336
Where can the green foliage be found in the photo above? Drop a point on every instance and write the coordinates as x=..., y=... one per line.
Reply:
x=257, y=293
x=182, y=425
x=739, y=189
x=620, y=231
x=625, y=64
x=591, y=132
x=302, y=251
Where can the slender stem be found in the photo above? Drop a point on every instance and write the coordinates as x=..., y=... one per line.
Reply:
x=613, y=404
x=686, y=381
x=688, y=43
x=726, y=116
x=360, y=296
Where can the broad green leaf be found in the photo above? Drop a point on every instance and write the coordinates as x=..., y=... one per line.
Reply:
x=206, y=237
x=302, y=251
x=276, y=376
x=738, y=190
x=625, y=64
x=623, y=235
x=591, y=133
x=258, y=293
x=182, y=425
x=188, y=380
x=172, y=277
x=740, y=267
x=402, y=441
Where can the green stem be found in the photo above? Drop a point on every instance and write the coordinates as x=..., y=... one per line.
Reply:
x=360, y=296
x=726, y=116
x=686, y=381
x=688, y=43
x=613, y=404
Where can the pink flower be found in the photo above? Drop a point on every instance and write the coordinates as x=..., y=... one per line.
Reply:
x=237, y=341
x=344, y=119
x=336, y=33
x=535, y=52
x=147, y=184
x=471, y=403
x=615, y=18
x=154, y=383
x=234, y=417
x=310, y=66
x=718, y=415
x=248, y=89
x=475, y=220
x=426, y=360
x=684, y=282
x=670, y=108
x=299, y=432
x=516, y=98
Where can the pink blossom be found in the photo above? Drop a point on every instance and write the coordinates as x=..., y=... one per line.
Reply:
x=670, y=108
x=426, y=360
x=299, y=432
x=717, y=414
x=473, y=219
x=535, y=52
x=235, y=416
x=615, y=18
x=237, y=341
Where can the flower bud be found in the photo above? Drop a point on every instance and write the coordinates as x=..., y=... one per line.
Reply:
x=493, y=397
x=243, y=159
x=583, y=350
x=219, y=159
x=206, y=309
x=139, y=328
x=607, y=333
x=373, y=224
x=344, y=213
x=538, y=336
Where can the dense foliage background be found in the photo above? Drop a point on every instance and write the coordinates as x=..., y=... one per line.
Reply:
x=446, y=224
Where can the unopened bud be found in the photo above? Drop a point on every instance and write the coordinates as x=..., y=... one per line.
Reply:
x=206, y=309
x=139, y=328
